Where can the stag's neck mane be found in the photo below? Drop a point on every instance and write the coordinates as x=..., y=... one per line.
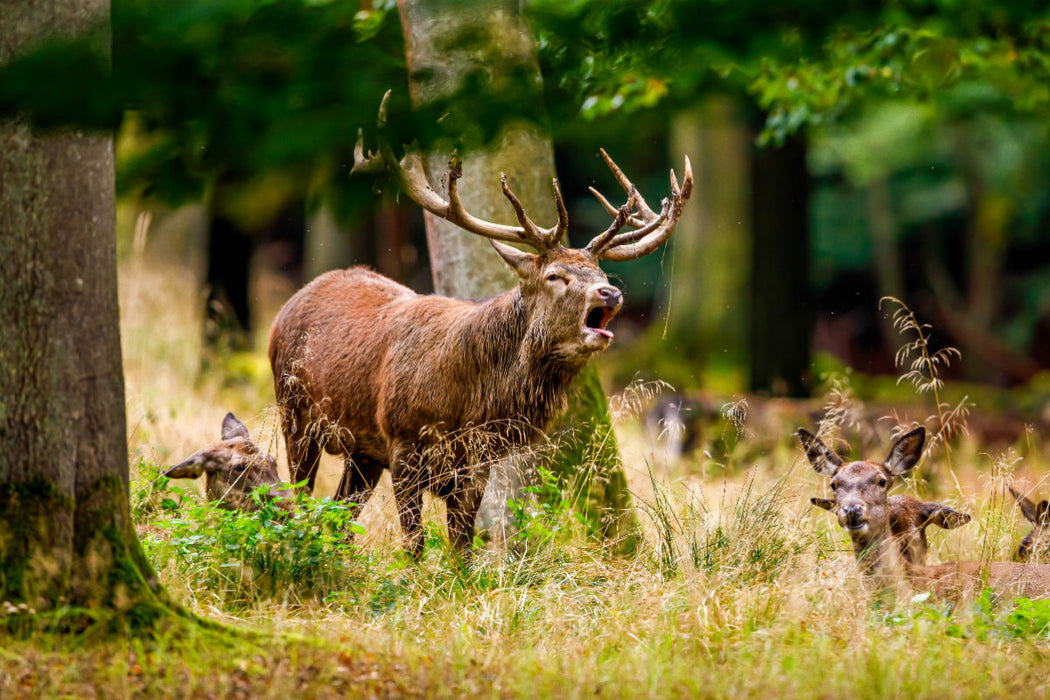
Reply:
x=520, y=372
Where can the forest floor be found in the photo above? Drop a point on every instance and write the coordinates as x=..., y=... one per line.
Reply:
x=738, y=588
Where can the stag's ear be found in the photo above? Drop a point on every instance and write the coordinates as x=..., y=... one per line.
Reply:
x=825, y=461
x=189, y=468
x=906, y=451
x=943, y=516
x=825, y=503
x=231, y=428
x=519, y=260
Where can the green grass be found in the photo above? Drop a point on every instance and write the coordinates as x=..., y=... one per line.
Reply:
x=739, y=588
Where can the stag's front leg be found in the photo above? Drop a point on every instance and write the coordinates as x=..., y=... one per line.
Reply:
x=408, y=494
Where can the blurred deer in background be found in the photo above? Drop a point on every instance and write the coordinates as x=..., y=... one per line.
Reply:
x=1036, y=544
x=435, y=388
x=861, y=503
x=233, y=469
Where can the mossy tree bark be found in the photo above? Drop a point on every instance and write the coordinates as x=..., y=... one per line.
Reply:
x=66, y=536
x=445, y=43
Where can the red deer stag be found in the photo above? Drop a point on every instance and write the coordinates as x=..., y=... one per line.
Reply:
x=233, y=469
x=435, y=388
x=861, y=503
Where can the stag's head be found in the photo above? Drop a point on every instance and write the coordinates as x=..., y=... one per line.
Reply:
x=564, y=288
x=860, y=489
x=233, y=469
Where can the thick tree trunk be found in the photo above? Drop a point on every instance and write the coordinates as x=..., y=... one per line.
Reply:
x=463, y=264
x=66, y=536
x=705, y=311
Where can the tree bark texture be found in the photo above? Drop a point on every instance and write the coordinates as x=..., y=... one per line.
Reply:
x=66, y=535
x=443, y=43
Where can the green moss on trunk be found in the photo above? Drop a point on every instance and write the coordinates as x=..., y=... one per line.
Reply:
x=587, y=464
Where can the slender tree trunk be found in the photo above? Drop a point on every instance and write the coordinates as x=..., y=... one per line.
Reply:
x=781, y=320
x=439, y=55
x=66, y=536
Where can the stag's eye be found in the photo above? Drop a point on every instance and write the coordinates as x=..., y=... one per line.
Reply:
x=882, y=482
x=834, y=486
x=555, y=277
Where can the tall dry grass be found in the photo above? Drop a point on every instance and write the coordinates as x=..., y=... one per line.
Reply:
x=739, y=588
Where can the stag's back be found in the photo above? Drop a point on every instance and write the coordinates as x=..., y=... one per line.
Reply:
x=329, y=339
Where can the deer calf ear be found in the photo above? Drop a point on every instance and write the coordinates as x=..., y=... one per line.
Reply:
x=518, y=260
x=825, y=461
x=1029, y=509
x=906, y=452
x=231, y=428
x=943, y=516
x=825, y=503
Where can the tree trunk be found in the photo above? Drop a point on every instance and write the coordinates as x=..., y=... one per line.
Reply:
x=781, y=320
x=704, y=313
x=66, y=536
x=439, y=55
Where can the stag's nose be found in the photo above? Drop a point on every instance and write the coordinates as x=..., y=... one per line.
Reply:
x=610, y=296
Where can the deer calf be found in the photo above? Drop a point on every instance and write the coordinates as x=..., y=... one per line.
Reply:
x=233, y=469
x=1036, y=544
x=434, y=388
x=862, y=505
x=908, y=518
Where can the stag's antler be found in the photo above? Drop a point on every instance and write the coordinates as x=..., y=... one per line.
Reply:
x=409, y=171
x=651, y=229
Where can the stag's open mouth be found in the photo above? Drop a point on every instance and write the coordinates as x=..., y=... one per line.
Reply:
x=594, y=335
x=596, y=320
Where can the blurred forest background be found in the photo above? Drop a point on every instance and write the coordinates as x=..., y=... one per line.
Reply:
x=844, y=152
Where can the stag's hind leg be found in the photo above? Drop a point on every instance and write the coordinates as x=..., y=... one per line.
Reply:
x=360, y=476
x=408, y=494
x=304, y=453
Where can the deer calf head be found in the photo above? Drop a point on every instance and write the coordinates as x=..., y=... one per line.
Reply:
x=233, y=469
x=1037, y=542
x=861, y=489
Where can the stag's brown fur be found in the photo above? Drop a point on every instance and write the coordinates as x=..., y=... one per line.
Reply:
x=432, y=387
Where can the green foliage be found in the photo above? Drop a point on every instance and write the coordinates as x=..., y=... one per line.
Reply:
x=217, y=88
x=240, y=558
x=984, y=618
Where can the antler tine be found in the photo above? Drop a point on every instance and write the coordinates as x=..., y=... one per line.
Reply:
x=371, y=163
x=646, y=213
x=666, y=222
x=638, y=234
x=536, y=236
x=602, y=240
x=563, y=216
x=412, y=178
x=612, y=210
